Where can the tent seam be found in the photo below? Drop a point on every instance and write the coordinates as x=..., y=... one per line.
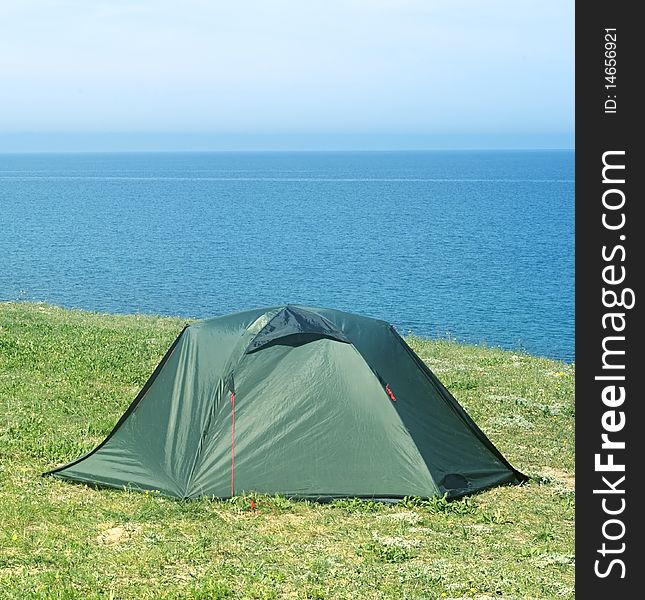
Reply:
x=380, y=381
x=229, y=369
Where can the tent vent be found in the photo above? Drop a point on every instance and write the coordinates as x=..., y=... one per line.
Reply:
x=294, y=326
x=454, y=481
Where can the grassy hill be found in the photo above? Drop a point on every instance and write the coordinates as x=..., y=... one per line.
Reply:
x=65, y=378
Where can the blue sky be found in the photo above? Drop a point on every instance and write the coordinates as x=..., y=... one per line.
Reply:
x=244, y=74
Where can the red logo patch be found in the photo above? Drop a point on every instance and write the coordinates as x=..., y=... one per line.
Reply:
x=388, y=391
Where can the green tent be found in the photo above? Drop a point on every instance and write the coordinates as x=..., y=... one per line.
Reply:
x=304, y=402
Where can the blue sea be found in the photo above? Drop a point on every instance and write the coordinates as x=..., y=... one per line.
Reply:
x=474, y=245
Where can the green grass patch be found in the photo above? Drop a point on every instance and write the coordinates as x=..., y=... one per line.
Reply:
x=66, y=376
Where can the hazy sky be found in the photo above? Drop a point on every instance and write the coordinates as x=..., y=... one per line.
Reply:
x=209, y=70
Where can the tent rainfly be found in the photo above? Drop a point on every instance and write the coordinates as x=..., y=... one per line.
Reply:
x=304, y=402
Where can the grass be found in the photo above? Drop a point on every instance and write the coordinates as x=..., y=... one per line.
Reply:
x=65, y=378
